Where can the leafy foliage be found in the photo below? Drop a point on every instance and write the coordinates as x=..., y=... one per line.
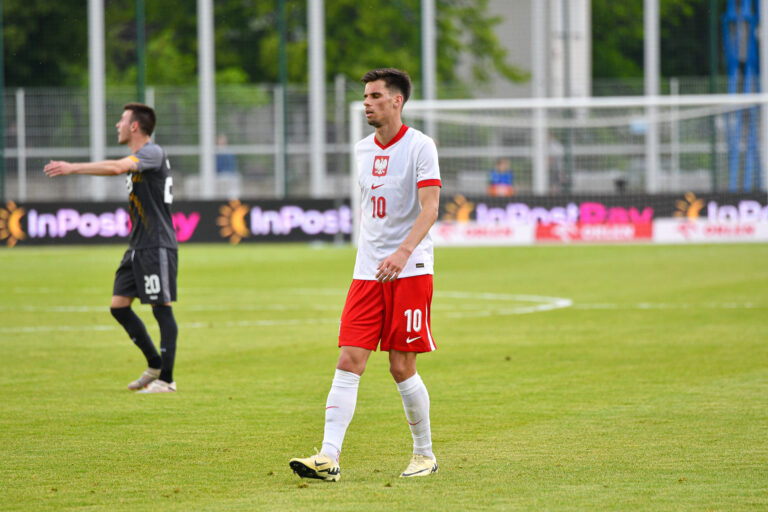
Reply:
x=45, y=42
x=360, y=36
x=617, y=31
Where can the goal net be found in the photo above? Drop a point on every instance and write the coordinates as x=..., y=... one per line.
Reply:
x=618, y=162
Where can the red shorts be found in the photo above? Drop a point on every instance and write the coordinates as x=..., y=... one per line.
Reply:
x=397, y=313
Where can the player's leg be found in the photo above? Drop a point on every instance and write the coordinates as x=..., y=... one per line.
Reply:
x=358, y=336
x=123, y=293
x=169, y=332
x=158, y=269
x=416, y=405
x=339, y=410
x=361, y=326
x=121, y=310
x=342, y=398
x=410, y=333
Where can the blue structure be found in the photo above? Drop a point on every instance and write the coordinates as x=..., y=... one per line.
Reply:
x=740, y=23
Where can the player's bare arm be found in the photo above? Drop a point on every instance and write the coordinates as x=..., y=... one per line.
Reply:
x=392, y=265
x=103, y=168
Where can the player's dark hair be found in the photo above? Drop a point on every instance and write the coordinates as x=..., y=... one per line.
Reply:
x=144, y=115
x=393, y=78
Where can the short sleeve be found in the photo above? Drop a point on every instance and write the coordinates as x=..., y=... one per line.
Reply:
x=427, y=166
x=149, y=158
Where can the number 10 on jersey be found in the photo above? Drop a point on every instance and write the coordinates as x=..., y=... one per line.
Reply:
x=379, y=207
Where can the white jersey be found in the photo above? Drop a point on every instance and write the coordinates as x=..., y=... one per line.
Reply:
x=389, y=178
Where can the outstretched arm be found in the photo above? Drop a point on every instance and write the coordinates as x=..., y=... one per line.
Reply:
x=392, y=265
x=103, y=168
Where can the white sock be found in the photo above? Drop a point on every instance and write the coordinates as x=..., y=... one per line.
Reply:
x=339, y=409
x=416, y=405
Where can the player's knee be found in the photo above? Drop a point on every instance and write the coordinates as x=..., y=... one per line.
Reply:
x=401, y=372
x=402, y=365
x=350, y=364
x=119, y=302
x=162, y=310
x=166, y=320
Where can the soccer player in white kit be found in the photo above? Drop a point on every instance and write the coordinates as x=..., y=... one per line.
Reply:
x=390, y=299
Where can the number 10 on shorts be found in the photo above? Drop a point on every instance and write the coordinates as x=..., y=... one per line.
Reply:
x=413, y=320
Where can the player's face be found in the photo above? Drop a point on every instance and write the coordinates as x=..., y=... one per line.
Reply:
x=124, y=127
x=381, y=106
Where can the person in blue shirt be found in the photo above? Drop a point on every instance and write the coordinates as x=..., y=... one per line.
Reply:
x=501, y=179
x=226, y=162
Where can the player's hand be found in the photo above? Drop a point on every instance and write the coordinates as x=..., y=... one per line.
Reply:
x=58, y=168
x=390, y=268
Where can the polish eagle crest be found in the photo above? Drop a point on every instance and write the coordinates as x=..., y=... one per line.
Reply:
x=380, y=164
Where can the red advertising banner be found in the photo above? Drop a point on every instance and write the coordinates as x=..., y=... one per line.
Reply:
x=474, y=234
x=594, y=233
x=675, y=231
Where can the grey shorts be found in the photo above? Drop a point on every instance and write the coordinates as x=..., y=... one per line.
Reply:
x=149, y=274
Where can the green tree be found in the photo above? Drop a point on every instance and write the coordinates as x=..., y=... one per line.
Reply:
x=617, y=44
x=171, y=42
x=364, y=38
x=359, y=36
x=45, y=42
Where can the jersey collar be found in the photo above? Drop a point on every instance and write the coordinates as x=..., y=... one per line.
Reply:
x=394, y=140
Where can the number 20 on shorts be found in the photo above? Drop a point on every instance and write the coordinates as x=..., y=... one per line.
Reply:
x=151, y=284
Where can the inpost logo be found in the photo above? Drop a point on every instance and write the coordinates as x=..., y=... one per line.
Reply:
x=458, y=210
x=10, y=224
x=232, y=221
x=690, y=207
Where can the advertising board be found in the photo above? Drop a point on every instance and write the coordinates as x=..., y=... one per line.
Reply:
x=301, y=220
x=601, y=219
x=463, y=221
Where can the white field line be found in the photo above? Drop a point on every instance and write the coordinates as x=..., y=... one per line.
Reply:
x=476, y=309
x=43, y=290
x=540, y=304
x=190, y=307
x=470, y=305
x=672, y=306
x=184, y=325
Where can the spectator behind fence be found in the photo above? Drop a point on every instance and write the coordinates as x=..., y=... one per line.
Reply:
x=226, y=162
x=501, y=179
x=228, y=181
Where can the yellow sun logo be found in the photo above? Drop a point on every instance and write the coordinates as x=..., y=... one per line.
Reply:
x=458, y=210
x=10, y=224
x=232, y=221
x=690, y=207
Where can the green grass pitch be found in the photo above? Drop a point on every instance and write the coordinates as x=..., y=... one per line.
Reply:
x=566, y=378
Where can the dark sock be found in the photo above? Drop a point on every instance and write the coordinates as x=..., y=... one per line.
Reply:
x=168, y=333
x=138, y=333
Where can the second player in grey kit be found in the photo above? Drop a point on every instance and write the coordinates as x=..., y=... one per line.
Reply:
x=149, y=267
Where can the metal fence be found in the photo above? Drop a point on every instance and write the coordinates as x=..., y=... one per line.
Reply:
x=44, y=124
